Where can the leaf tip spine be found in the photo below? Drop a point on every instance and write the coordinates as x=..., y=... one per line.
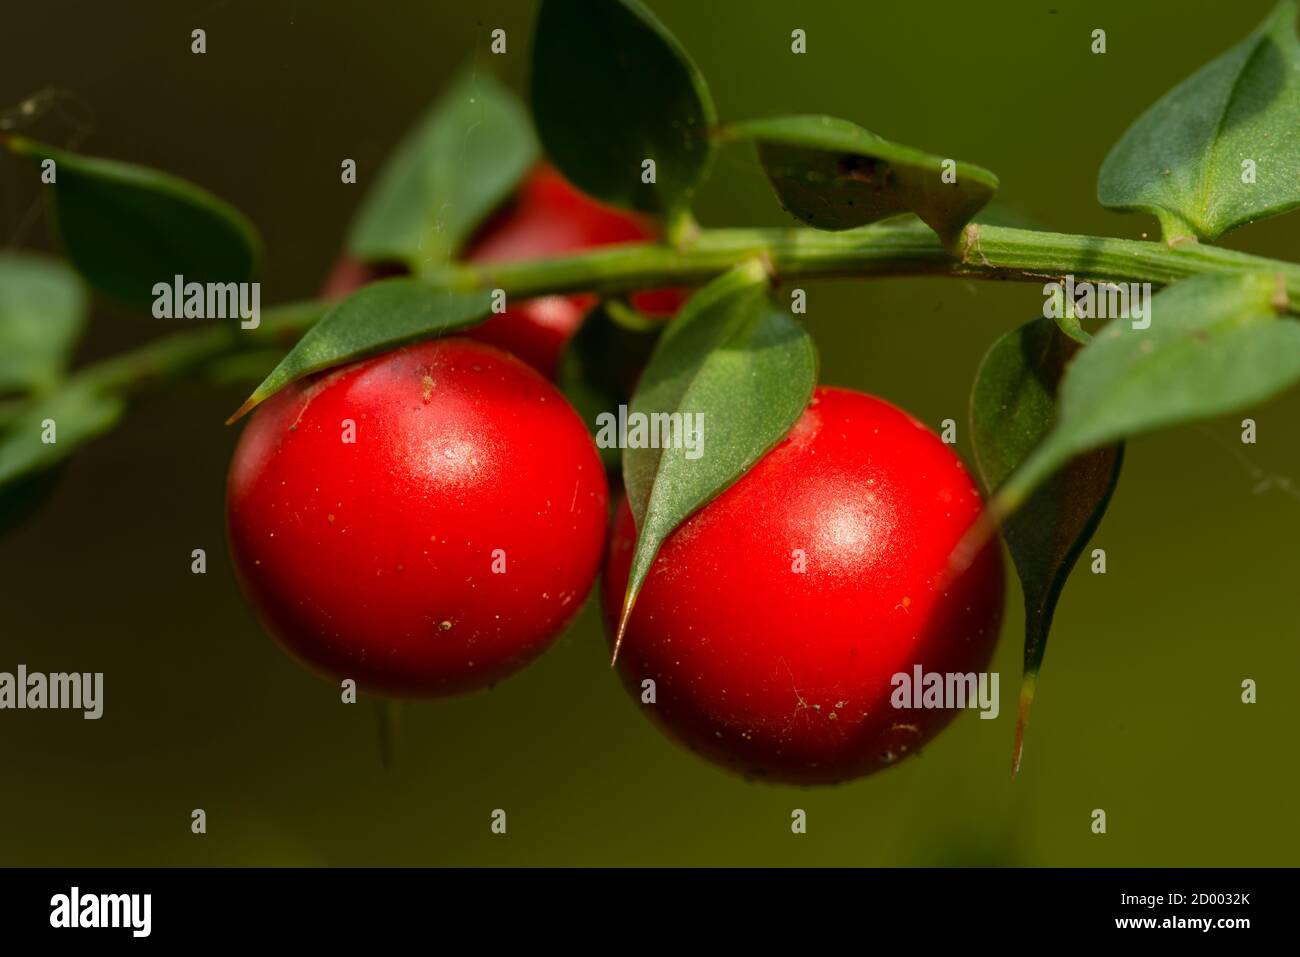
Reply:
x=243, y=410
x=623, y=618
x=1027, y=687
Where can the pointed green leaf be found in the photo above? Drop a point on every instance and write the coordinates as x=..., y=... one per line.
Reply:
x=126, y=227
x=739, y=366
x=1215, y=344
x=602, y=362
x=463, y=158
x=1013, y=407
x=832, y=174
x=377, y=317
x=1223, y=147
x=612, y=88
x=42, y=312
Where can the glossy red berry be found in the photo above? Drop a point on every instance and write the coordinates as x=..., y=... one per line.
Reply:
x=774, y=619
x=424, y=522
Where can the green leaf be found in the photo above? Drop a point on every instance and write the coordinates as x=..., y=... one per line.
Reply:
x=127, y=227
x=1013, y=407
x=42, y=312
x=375, y=318
x=747, y=369
x=602, y=362
x=611, y=88
x=832, y=174
x=464, y=157
x=1215, y=344
x=30, y=465
x=1182, y=159
x=71, y=416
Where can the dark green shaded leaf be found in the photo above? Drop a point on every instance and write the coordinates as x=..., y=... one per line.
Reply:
x=1182, y=160
x=1216, y=344
x=78, y=413
x=128, y=227
x=832, y=174
x=611, y=88
x=602, y=362
x=457, y=165
x=1013, y=407
x=42, y=312
x=375, y=318
x=742, y=363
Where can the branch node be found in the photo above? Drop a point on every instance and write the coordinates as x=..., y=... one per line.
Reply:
x=970, y=243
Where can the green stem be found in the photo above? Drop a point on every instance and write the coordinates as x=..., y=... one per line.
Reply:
x=987, y=252
x=173, y=357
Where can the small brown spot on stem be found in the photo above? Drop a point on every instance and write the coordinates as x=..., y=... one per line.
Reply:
x=1281, y=301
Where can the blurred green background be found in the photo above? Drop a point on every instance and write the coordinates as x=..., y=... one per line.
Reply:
x=1138, y=709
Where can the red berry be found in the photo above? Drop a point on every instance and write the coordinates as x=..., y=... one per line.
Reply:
x=441, y=550
x=552, y=218
x=786, y=675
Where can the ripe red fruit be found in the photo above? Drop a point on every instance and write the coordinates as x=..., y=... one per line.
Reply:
x=550, y=218
x=786, y=675
x=441, y=550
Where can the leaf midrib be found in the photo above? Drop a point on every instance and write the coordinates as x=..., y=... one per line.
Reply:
x=1158, y=360
x=1208, y=164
